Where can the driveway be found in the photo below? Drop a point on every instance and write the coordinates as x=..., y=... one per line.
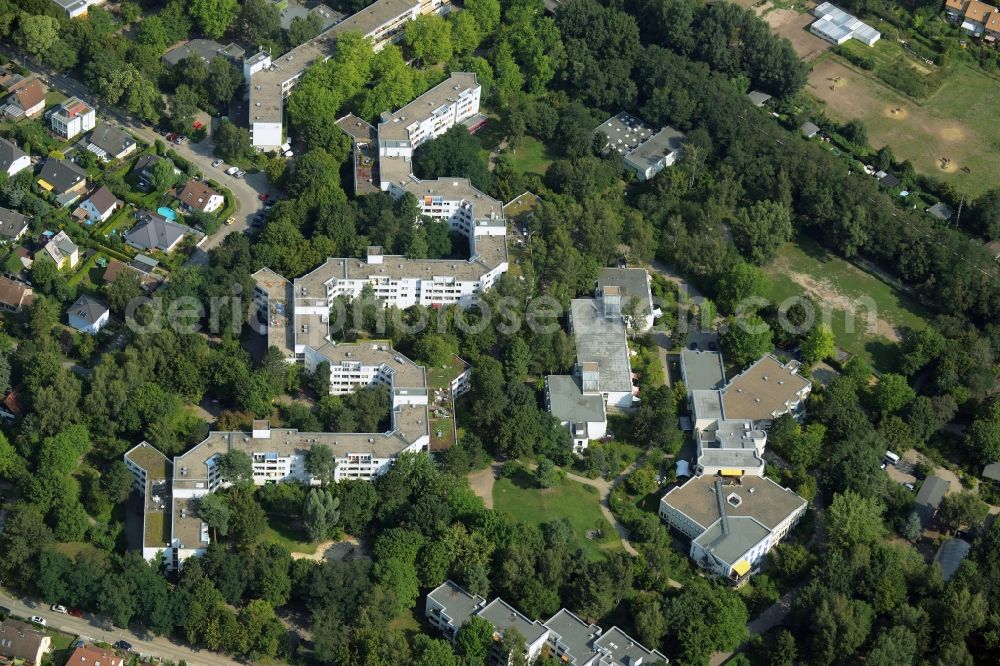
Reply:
x=98, y=628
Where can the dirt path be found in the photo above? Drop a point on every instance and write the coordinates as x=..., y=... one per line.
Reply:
x=828, y=294
x=348, y=547
x=482, y=483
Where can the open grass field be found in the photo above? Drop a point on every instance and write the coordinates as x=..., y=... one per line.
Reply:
x=576, y=502
x=532, y=156
x=866, y=314
x=953, y=135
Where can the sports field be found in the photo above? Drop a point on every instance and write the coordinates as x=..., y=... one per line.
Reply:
x=954, y=134
x=865, y=313
x=578, y=503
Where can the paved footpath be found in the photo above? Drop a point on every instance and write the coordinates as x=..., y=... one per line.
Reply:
x=94, y=627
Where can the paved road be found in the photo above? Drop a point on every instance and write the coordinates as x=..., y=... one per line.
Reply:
x=96, y=628
x=246, y=190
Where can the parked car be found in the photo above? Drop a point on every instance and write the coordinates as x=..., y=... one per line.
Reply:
x=76, y=612
x=122, y=645
x=269, y=203
x=230, y=220
x=38, y=619
x=240, y=173
x=217, y=163
x=264, y=196
x=56, y=608
x=231, y=171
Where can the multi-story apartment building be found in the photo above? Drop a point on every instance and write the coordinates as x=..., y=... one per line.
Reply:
x=171, y=489
x=564, y=636
x=270, y=80
x=72, y=117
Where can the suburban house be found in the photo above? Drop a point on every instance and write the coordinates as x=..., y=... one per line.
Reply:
x=72, y=118
x=279, y=454
x=636, y=295
x=199, y=197
x=582, y=412
x=929, y=497
x=733, y=521
x=837, y=26
x=27, y=99
x=564, y=637
x=63, y=179
x=101, y=205
x=14, y=296
x=22, y=643
x=11, y=406
x=270, y=79
x=110, y=143
x=646, y=152
x=12, y=225
x=155, y=232
x=61, y=249
x=143, y=165
x=205, y=49
x=974, y=17
x=13, y=160
x=76, y=8
x=91, y=655
x=88, y=315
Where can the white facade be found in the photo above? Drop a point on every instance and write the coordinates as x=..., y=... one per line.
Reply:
x=96, y=215
x=73, y=117
x=18, y=165
x=77, y=8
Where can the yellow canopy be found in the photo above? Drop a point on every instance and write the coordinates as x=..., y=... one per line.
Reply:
x=741, y=568
x=731, y=472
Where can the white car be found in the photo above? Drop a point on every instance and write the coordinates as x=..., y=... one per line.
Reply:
x=37, y=619
x=56, y=608
x=217, y=163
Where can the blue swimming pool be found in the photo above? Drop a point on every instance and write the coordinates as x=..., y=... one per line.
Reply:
x=167, y=212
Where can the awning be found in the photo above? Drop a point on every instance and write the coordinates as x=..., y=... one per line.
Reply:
x=741, y=568
x=731, y=472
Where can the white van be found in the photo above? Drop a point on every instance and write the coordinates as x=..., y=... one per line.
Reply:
x=891, y=457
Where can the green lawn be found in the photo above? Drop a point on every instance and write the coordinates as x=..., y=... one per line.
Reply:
x=280, y=532
x=804, y=268
x=576, y=502
x=532, y=156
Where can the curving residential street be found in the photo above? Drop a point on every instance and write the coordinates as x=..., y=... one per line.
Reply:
x=96, y=628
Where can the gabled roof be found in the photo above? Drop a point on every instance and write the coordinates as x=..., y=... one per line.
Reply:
x=941, y=211
x=9, y=153
x=21, y=640
x=196, y=195
x=154, y=232
x=110, y=139
x=61, y=174
x=144, y=163
x=11, y=223
x=14, y=294
x=103, y=200
x=91, y=655
x=29, y=94
x=88, y=309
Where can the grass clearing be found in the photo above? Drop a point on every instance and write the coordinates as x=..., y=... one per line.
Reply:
x=532, y=156
x=578, y=503
x=864, y=312
x=291, y=539
x=952, y=135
